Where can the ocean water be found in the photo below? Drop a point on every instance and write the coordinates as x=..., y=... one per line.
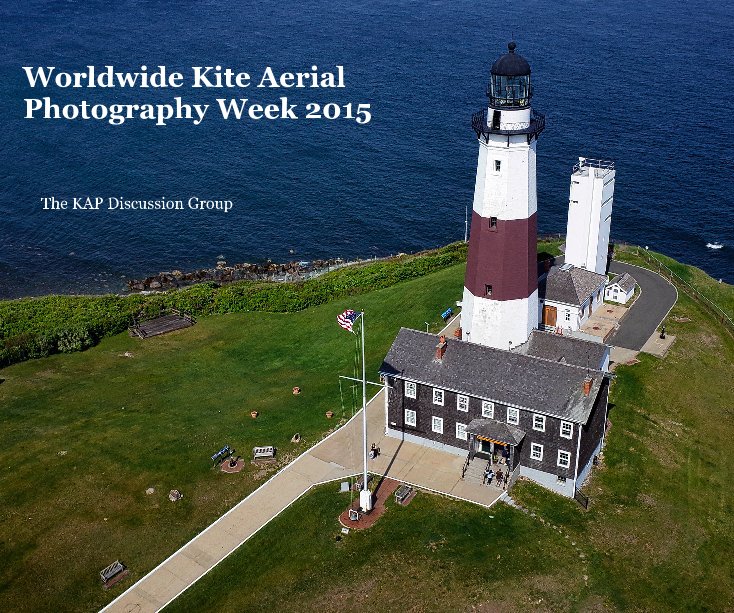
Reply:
x=645, y=84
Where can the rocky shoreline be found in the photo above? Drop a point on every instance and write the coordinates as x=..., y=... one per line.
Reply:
x=222, y=273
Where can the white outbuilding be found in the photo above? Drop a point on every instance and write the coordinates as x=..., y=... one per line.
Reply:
x=620, y=289
x=568, y=296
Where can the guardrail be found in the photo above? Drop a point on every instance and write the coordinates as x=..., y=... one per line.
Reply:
x=719, y=313
x=593, y=163
x=581, y=498
x=532, y=128
x=466, y=465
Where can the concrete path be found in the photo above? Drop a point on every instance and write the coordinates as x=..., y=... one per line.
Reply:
x=656, y=298
x=336, y=457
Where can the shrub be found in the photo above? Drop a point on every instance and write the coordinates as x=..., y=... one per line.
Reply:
x=37, y=327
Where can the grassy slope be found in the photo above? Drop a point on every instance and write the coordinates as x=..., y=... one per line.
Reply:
x=659, y=534
x=127, y=424
x=662, y=516
x=720, y=294
x=434, y=555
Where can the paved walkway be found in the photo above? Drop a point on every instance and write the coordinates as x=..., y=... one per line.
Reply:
x=336, y=457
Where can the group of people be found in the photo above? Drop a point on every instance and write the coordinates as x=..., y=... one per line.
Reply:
x=501, y=478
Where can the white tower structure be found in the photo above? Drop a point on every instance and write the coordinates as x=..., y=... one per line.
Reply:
x=500, y=302
x=590, y=214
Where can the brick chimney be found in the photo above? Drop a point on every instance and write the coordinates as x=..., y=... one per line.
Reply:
x=587, y=386
x=441, y=347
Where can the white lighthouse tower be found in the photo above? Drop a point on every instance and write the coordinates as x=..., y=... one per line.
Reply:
x=500, y=303
x=590, y=214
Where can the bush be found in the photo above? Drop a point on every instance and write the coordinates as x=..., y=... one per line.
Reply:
x=38, y=327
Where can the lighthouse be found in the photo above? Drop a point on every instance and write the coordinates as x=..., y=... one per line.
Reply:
x=500, y=302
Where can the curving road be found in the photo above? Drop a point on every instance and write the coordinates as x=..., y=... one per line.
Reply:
x=652, y=306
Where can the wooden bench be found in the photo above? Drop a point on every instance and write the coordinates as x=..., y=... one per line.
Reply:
x=263, y=453
x=402, y=493
x=222, y=455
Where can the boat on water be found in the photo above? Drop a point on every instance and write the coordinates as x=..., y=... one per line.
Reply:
x=714, y=245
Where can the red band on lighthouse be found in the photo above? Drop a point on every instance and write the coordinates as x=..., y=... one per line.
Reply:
x=502, y=256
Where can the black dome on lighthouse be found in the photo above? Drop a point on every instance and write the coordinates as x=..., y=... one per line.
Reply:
x=511, y=64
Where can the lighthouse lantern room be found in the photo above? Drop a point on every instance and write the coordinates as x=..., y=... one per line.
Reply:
x=500, y=302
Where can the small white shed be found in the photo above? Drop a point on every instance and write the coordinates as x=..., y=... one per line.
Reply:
x=620, y=289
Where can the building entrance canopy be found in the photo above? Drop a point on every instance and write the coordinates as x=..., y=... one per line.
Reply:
x=495, y=431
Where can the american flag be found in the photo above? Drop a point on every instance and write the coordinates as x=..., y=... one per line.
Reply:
x=347, y=318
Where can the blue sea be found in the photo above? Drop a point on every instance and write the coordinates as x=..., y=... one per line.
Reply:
x=645, y=84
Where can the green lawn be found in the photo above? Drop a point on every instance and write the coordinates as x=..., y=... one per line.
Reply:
x=84, y=435
x=659, y=534
x=436, y=554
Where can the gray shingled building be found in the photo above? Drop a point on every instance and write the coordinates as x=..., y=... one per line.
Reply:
x=541, y=407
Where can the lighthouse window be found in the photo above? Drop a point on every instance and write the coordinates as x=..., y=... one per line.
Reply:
x=493, y=222
x=497, y=165
x=487, y=290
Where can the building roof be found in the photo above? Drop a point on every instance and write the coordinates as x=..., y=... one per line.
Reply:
x=496, y=430
x=511, y=64
x=510, y=378
x=625, y=281
x=564, y=349
x=571, y=285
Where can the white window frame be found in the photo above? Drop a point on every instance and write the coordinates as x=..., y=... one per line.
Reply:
x=536, y=449
x=488, y=409
x=438, y=396
x=568, y=458
x=568, y=315
x=564, y=424
x=411, y=418
x=461, y=431
x=411, y=389
x=462, y=400
x=437, y=424
x=513, y=411
x=540, y=427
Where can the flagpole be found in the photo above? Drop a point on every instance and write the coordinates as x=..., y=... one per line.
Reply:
x=365, y=497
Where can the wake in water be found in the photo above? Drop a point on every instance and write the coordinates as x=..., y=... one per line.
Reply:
x=714, y=245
